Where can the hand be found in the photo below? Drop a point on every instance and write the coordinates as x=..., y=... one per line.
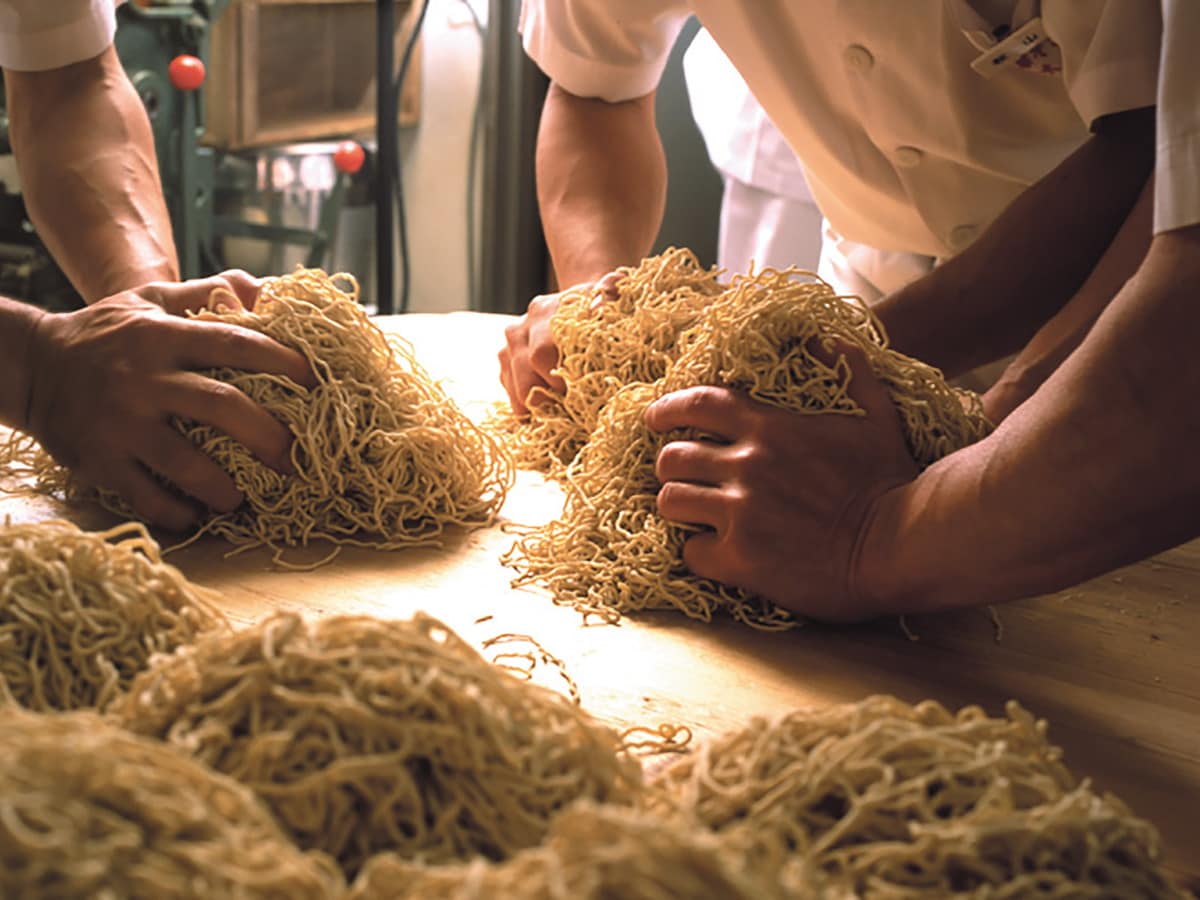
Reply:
x=107, y=379
x=529, y=357
x=787, y=495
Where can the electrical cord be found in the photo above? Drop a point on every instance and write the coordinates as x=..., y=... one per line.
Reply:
x=398, y=179
x=474, y=294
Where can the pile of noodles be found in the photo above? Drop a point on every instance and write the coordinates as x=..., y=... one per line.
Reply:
x=82, y=612
x=889, y=800
x=363, y=735
x=383, y=457
x=87, y=810
x=590, y=853
x=776, y=338
x=605, y=342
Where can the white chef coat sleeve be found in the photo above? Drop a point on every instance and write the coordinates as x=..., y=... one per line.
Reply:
x=36, y=35
x=1177, y=168
x=1110, y=51
x=613, y=50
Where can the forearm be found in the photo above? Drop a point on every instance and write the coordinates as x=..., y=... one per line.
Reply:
x=601, y=183
x=1063, y=333
x=89, y=175
x=1096, y=470
x=988, y=301
x=17, y=322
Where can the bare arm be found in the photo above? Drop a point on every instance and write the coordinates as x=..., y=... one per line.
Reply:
x=992, y=298
x=1096, y=470
x=85, y=153
x=602, y=182
x=1062, y=334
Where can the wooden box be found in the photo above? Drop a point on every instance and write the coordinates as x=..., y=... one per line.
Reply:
x=282, y=71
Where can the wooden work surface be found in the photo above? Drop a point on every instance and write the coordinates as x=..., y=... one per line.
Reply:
x=1111, y=664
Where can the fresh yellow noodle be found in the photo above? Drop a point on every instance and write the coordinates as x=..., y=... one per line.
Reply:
x=523, y=662
x=778, y=338
x=889, y=800
x=89, y=811
x=82, y=612
x=590, y=853
x=606, y=343
x=383, y=457
x=364, y=735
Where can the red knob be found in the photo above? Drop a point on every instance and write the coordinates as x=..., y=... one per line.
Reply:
x=349, y=157
x=186, y=72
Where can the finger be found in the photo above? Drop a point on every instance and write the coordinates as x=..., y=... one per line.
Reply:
x=544, y=356
x=150, y=501
x=605, y=290
x=188, y=296
x=703, y=557
x=173, y=457
x=692, y=504
x=514, y=337
x=212, y=345
x=205, y=400
x=518, y=407
x=699, y=462
x=718, y=411
x=242, y=285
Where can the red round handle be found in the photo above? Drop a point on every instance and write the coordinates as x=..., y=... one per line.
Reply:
x=349, y=157
x=186, y=72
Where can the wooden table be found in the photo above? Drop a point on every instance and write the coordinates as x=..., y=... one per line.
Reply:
x=1111, y=664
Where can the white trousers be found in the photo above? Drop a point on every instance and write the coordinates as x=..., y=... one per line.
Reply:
x=767, y=230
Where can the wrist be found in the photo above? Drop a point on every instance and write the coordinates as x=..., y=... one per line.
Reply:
x=22, y=322
x=873, y=581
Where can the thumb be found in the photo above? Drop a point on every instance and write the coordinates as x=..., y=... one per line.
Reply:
x=233, y=290
x=605, y=288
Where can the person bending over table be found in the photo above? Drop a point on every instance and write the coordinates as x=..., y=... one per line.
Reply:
x=99, y=386
x=1034, y=186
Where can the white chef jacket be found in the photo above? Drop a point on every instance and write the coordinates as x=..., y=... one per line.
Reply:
x=46, y=34
x=906, y=147
x=1177, y=168
x=741, y=141
x=768, y=215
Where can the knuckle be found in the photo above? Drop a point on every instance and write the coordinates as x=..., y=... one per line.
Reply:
x=704, y=557
x=671, y=459
x=696, y=400
x=543, y=306
x=543, y=357
x=152, y=506
x=751, y=456
x=670, y=495
x=516, y=335
x=222, y=394
x=238, y=275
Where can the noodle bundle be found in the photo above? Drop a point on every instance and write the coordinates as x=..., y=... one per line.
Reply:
x=383, y=457
x=781, y=342
x=87, y=810
x=82, y=612
x=590, y=853
x=889, y=800
x=364, y=735
x=605, y=344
